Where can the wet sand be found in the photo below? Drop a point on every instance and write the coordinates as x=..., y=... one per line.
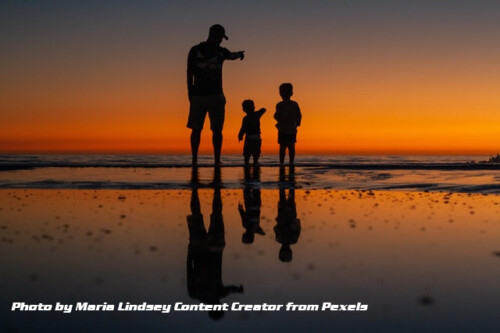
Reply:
x=317, y=177
x=421, y=261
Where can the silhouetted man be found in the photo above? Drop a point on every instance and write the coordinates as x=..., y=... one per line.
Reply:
x=204, y=81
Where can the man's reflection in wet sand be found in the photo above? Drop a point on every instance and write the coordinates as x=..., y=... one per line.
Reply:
x=287, y=227
x=250, y=213
x=204, y=259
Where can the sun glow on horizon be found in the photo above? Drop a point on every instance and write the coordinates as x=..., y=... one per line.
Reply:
x=368, y=78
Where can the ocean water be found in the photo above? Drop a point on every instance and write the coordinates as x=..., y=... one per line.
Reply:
x=421, y=173
x=14, y=161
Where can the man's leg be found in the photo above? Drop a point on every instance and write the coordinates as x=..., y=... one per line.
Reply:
x=216, y=112
x=197, y=113
x=195, y=144
x=217, y=142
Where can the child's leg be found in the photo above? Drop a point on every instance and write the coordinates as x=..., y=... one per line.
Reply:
x=255, y=159
x=282, y=153
x=256, y=153
x=291, y=152
x=247, y=159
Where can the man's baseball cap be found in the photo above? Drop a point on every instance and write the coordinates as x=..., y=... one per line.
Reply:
x=218, y=30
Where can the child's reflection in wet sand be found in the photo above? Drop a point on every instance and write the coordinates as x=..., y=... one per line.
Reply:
x=287, y=228
x=250, y=213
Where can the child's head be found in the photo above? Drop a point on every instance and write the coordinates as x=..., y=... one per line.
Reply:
x=248, y=106
x=286, y=90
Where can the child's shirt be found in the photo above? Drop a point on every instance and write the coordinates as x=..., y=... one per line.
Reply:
x=288, y=116
x=251, y=125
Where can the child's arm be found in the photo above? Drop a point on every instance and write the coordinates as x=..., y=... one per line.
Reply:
x=277, y=113
x=242, y=131
x=261, y=112
x=299, y=116
x=241, y=210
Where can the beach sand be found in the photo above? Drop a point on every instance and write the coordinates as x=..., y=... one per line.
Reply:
x=418, y=260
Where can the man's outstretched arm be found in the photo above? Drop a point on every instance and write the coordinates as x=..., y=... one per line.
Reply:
x=235, y=55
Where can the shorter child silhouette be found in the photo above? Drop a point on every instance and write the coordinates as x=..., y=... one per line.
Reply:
x=250, y=128
x=288, y=118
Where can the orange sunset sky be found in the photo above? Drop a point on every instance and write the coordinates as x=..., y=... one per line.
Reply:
x=369, y=76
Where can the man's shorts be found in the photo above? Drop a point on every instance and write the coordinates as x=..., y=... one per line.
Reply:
x=286, y=139
x=200, y=105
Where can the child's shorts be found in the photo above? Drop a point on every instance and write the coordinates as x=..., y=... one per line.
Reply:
x=252, y=147
x=286, y=138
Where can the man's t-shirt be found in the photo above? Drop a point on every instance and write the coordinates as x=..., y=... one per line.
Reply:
x=205, y=62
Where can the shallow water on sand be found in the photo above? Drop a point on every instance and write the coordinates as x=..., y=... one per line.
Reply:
x=421, y=261
x=313, y=177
